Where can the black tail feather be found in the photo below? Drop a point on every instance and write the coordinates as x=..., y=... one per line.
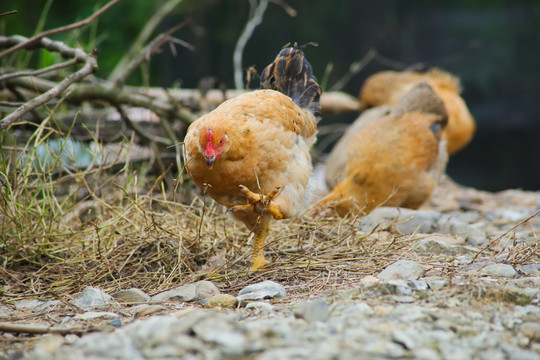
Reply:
x=291, y=74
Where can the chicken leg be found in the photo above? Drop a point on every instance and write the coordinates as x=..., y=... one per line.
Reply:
x=265, y=206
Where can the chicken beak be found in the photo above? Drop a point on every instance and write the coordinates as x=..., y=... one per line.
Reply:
x=210, y=161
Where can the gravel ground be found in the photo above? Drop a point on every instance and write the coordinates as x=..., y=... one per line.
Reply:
x=450, y=299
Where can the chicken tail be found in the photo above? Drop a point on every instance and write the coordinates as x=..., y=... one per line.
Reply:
x=291, y=74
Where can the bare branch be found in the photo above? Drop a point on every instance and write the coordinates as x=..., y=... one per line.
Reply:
x=286, y=7
x=79, y=55
x=124, y=73
x=252, y=23
x=9, y=13
x=40, y=71
x=58, y=30
x=143, y=37
x=354, y=69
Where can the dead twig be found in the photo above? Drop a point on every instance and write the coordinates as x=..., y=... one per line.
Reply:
x=354, y=69
x=9, y=13
x=255, y=19
x=40, y=71
x=90, y=67
x=144, y=55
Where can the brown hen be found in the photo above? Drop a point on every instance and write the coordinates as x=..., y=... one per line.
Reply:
x=389, y=157
x=251, y=154
x=388, y=87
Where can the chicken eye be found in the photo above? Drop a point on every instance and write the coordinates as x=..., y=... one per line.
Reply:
x=221, y=141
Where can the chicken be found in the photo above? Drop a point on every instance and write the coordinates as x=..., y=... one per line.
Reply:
x=391, y=157
x=388, y=87
x=251, y=154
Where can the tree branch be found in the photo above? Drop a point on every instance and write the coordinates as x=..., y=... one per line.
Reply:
x=354, y=69
x=40, y=71
x=90, y=66
x=124, y=73
x=58, y=30
x=252, y=23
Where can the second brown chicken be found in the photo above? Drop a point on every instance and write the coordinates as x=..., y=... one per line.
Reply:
x=388, y=87
x=391, y=157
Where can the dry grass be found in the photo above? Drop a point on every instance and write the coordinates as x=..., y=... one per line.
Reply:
x=117, y=230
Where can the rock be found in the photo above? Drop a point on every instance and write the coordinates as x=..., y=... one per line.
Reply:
x=5, y=311
x=188, y=292
x=423, y=222
x=420, y=284
x=263, y=290
x=94, y=299
x=217, y=329
x=507, y=294
x=436, y=283
x=531, y=269
x=453, y=226
x=533, y=281
x=205, y=289
x=148, y=309
x=311, y=311
x=184, y=293
x=132, y=295
x=91, y=315
x=406, y=221
x=221, y=300
x=369, y=280
x=434, y=246
x=35, y=304
x=502, y=270
x=261, y=306
x=531, y=330
x=390, y=287
x=402, y=270
x=361, y=308
x=404, y=299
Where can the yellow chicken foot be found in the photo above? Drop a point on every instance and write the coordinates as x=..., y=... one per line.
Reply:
x=259, y=203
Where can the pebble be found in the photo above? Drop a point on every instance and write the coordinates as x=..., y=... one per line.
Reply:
x=404, y=299
x=91, y=315
x=502, y=270
x=402, y=270
x=406, y=221
x=261, y=306
x=36, y=305
x=531, y=269
x=222, y=301
x=436, y=246
x=188, y=292
x=132, y=295
x=5, y=311
x=531, y=330
x=311, y=311
x=264, y=290
x=436, y=283
x=94, y=299
x=472, y=234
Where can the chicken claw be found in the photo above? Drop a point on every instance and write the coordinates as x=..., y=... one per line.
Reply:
x=260, y=203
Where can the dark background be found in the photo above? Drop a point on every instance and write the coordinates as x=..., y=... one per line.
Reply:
x=493, y=46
